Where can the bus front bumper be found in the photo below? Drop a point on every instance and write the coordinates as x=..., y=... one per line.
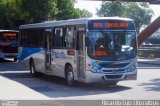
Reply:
x=102, y=77
x=8, y=55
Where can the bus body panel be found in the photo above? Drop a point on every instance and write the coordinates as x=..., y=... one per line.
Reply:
x=37, y=54
x=60, y=59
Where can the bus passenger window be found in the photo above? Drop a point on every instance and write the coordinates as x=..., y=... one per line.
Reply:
x=40, y=37
x=70, y=39
x=25, y=38
x=58, y=42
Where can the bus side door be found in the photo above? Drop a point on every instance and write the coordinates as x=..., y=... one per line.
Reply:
x=48, y=51
x=81, y=54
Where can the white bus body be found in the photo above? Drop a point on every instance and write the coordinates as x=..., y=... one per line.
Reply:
x=83, y=50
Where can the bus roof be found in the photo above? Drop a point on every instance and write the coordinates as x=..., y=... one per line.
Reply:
x=69, y=22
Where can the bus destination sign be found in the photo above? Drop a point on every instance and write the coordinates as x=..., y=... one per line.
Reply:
x=9, y=34
x=105, y=25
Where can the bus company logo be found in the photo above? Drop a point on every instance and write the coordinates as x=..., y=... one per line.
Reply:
x=58, y=54
x=9, y=103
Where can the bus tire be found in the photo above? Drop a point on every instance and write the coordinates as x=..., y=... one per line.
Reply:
x=70, y=76
x=15, y=59
x=33, y=71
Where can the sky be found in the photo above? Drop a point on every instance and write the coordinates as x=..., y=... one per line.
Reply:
x=92, y=5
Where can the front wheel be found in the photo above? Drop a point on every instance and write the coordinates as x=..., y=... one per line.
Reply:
x=70, y=76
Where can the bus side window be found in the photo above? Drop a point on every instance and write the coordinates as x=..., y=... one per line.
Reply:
x=21, y=34
x=24, y=40
x=40, y=37
x=31, y=37
x=70, y=37
x=58, y=37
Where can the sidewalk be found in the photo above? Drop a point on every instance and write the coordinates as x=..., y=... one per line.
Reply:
x=149, y=61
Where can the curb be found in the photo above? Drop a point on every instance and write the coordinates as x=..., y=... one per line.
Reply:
x=151, y=63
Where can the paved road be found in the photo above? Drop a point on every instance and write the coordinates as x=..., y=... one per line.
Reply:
x=16, y=83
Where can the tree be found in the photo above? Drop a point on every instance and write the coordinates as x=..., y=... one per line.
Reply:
x=53, y=10
x=35, y=10
x=66, y=10
x=31, y=11
x=139, y=12
x=110, y=9
x=85, y=13
x=9, y=13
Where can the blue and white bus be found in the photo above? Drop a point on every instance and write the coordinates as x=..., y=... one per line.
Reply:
x=87, y=50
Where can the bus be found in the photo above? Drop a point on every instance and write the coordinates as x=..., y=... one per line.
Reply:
x=8, y=44
x=88, y=50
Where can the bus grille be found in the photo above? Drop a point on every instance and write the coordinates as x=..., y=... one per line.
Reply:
x=113, y=76
x=114, y=71
x=118, y=65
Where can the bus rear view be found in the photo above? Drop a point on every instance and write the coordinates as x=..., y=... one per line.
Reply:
x=111, y=50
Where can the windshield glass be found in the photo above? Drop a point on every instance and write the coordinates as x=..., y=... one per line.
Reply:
x=111, y=46
x=8, y=39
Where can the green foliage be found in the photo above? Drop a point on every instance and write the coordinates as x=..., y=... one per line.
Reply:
x=85, y=13
x=110, y=9
x=65, y=6
x=66, y=10
x=139, y=12
x=9, y=13
x=33, y=11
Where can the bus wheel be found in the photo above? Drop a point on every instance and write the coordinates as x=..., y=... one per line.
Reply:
x=70, y=76
x=15, y=59
x=32, y=69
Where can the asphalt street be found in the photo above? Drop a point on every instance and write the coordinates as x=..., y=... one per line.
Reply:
x=17, y=84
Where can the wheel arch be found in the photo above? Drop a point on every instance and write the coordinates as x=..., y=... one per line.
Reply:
x=67, y=72
x=65, y=69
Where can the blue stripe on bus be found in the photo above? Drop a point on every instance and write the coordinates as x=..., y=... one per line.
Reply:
x=24, y=52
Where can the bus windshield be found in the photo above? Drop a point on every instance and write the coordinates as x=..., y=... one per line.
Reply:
x=8, y=39
x=111, y=46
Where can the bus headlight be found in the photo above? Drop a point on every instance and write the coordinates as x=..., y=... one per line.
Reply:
x=96, y=70
x=131, y=68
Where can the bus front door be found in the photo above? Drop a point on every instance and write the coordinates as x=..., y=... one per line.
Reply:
x=47, y=52
x=81, y=55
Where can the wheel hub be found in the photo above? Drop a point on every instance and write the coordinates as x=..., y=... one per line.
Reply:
x=70, y=76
